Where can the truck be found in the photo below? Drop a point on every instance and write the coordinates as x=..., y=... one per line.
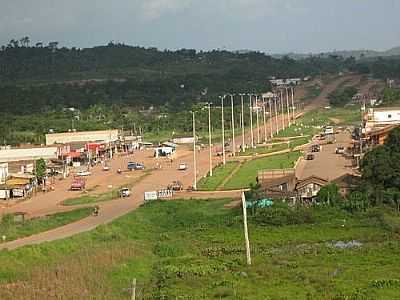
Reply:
x=78, y=184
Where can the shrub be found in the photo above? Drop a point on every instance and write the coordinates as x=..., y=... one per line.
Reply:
x=279, y=216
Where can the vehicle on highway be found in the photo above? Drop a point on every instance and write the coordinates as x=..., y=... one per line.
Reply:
x=315, y=148
x=124, y=192
x=78, y=184
x=339, y=150
x=176, y=185
x=329, y=130
x=310, y=156
x=84, y=173
x=182, y=167
x=106, y=168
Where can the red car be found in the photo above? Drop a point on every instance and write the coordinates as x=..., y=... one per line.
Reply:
x=78, y=184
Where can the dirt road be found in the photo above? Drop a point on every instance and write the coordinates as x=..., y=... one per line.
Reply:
x=101, y=181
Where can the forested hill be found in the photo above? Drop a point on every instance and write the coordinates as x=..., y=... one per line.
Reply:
x=47, y=78
x=22, y=62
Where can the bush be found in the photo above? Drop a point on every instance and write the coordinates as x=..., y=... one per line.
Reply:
x=280, y=216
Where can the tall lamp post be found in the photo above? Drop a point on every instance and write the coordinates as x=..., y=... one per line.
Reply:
x=282, y=110
x=293, y=107
x=265, y=121
x=288, y=106
x=194, y=154
x=251, y=120
x=223, y=129
x=233, y=126
x=270, y=118
x=209, y=138
x=276, y=114
x=258, y=123
x=242, y=119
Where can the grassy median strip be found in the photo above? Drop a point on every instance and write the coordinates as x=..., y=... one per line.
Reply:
x=211, y=183
x=248, y=171
x=89, y=199
x=13, y=230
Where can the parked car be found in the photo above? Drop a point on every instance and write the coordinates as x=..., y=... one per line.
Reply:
x=124, y=192
x=106, y=168
x=315, y=148
x=176, y=186
x=78, y=184
x=182, y=167
x=135, y=166
x=339, y=150
x=310, y=156
x=84, y=173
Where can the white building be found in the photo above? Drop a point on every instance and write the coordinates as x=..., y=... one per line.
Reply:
x=30, y=154
x=82, y=136
x=381, y=117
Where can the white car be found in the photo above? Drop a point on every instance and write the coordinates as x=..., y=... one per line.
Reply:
x=124, y=192
x=106, y=168
x=182, y=167
x=84, y=173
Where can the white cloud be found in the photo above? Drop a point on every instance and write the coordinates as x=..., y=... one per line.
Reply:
x=153, y=9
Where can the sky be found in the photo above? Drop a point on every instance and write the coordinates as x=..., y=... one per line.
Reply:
x=271, y=26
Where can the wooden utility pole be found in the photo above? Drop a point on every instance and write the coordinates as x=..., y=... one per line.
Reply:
x=133, y=291
x=246, y=233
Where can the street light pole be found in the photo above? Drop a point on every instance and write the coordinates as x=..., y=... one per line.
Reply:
x=293, y=107
x=288, y=106
x=276, y=114
x=282, y=110
x=265, y=121
x=242, y=118
x=258, y=124
x=233, y=127
x=209, y=138
x=194, y=154
x=270, y=118
x=251, y=121
x=223, y=129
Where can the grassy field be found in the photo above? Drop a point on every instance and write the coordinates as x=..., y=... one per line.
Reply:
x=195, y=250
x=248, y=171
x=13, y=230
x=333, y=116
x=219, y=174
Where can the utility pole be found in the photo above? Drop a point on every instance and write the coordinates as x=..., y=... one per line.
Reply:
x=133, y=289
x=288, y=106
x=246, y=232
x=242, y=118
x=251, y=121
x=276, y=114
x=233, y=127
x=223, y=129
x=270, y=118
x=293, y=107
x=265, y=121
x=282, y=110
x=258, y=124
x=209, y=138
x=194, y=154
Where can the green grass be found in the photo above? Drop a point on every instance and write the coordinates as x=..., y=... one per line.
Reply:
x=320, y=117
x=219, y=174
x=14, y=230
x=195, y=250
x=264, y=149
x=248, y=171
x=89, y=199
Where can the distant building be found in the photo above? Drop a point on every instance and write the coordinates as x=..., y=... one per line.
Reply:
x=82, y=136
x=282, y=82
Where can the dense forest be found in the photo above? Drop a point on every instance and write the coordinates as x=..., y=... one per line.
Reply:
x=38, y=82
